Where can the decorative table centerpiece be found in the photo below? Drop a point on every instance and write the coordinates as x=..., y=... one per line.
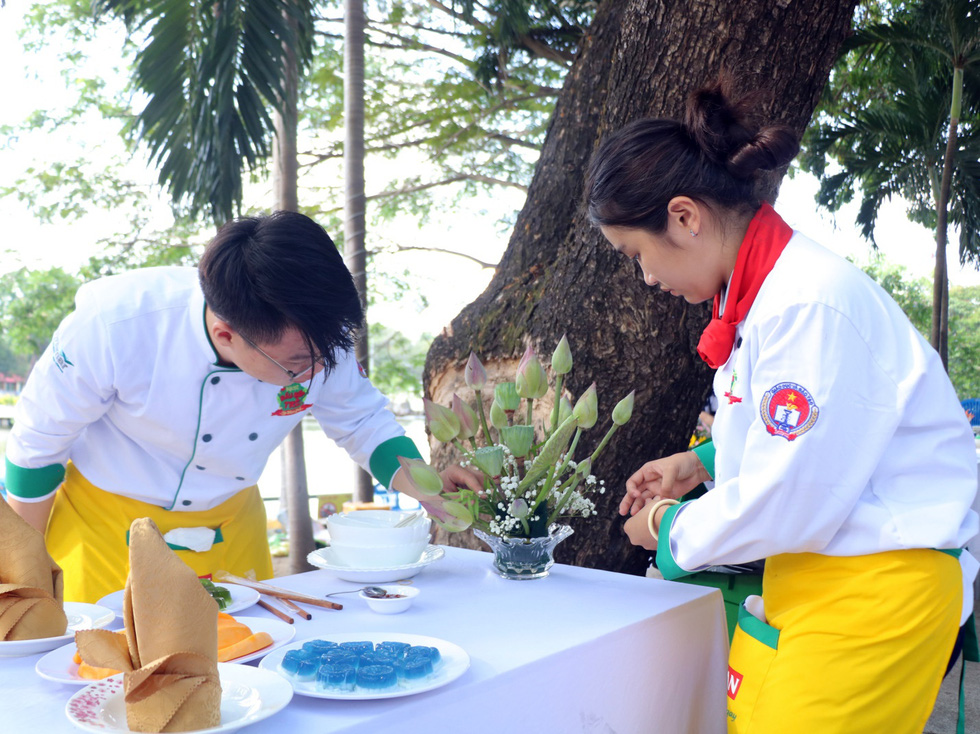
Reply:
x=530, y=475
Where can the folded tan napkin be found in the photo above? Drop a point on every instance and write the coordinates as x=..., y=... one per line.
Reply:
x=31, y=584
x=169, y=655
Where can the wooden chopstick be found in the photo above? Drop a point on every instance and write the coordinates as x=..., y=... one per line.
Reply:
x=275, y=610
x=275, y=590
x=301, y=612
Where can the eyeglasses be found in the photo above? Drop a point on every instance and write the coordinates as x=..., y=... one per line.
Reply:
x=292, y=375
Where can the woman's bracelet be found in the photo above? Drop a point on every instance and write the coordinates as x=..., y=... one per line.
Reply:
x=653, y=514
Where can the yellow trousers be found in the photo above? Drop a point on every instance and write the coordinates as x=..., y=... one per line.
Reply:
x=88, y=529
x=856, y=644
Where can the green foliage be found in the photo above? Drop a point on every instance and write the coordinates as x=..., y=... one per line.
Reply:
x=397, y=362
x=32, y=304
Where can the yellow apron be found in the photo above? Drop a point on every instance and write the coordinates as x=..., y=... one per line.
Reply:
x=88, y=528
x=850, y=644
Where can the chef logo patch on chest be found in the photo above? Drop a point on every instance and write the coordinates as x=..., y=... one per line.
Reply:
x=291, y=400
x=788, y=410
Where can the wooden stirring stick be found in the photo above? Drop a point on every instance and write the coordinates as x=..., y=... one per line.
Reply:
x=274, y=590
x=275, y=610
x=296, y=609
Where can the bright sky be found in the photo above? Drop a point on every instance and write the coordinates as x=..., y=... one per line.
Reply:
x=27, y=86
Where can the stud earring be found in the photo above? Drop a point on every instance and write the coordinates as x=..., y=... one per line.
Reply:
x=693, y=233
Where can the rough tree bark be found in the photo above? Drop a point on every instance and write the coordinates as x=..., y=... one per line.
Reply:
x=640, y=58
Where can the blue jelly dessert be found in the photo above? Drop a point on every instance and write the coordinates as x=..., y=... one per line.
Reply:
x=339, y=655
x=306, y=668
x=432, y=653
x=376, y=677
x=398, y=648
x=318, y=647
x=357, y=647
x=292, y=659
x=415, y=668
x=378, y=657
x=336, y=677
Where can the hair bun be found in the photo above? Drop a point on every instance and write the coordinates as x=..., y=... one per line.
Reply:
x=726, y=130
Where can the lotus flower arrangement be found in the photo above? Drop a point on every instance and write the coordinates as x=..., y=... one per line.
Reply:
x=531, y=478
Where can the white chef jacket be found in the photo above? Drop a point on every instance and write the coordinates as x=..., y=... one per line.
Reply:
x=837, y=432
x=130, y=390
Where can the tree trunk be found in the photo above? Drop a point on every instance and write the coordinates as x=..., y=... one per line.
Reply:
x=285, y=179
x=355, y=253
x=639, y=58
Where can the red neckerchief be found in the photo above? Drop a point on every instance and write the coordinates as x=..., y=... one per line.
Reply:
x=764, y=241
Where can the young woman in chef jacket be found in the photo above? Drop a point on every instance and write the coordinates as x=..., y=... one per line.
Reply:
x=840, y=452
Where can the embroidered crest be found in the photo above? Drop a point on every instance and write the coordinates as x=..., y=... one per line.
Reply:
x=788, y=410
x=291, y=400
x=360, y=368
x=734, y=682
x=732, y=398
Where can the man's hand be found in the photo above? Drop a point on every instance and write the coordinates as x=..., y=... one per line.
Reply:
x=672, y=476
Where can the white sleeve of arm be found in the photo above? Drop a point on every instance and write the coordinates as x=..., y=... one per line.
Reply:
x=70, y=387
x=792, y=496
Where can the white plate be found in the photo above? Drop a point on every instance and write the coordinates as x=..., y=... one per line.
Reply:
x=322, y=558
x=60, y=667
x=242, y=597
x=454, y=663
x=247, y=695
x=80, y=617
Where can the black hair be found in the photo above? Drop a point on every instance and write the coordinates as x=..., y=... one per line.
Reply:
x=717, y=155
x=264, y=275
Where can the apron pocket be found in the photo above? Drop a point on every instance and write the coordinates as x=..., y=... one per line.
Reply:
x=754, y=647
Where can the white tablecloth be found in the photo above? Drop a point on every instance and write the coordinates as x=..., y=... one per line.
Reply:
x=579, y=651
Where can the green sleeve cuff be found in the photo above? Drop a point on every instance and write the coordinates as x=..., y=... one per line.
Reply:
x=384, y=460
x=32, y=484
x=706, y=454
x=665, y=561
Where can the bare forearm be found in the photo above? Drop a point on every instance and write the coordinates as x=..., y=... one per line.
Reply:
x=35, y=513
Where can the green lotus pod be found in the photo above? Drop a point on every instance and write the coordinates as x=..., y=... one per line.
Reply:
x=552, y=450
x=498, y=417
x=561, y=360
x=443, y=423
x=469, y=423
x=624, y=410
x=506, y=394
x=532, y=380
x=489, y=460
x=586, y=410
x=422, y=476
x=518, y=439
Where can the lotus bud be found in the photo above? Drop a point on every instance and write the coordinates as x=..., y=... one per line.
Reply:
x=498, y=417
x=475, y=374
x=506, y=394
x=458, y=511
x=564, y=410
x=532, y=380
x=624, y=410
x=469, y=423
x=561, y=360
x=584, y=467
x=586, y=410
x=518, y=508
x=518, y=439
x=443, y=519
x=443, y=423
x=422, y=476
x=489, y=460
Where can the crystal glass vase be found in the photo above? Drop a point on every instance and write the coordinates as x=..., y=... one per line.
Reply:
x=524, y=558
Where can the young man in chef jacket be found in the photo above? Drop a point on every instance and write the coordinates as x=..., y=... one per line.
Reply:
x=167, y=389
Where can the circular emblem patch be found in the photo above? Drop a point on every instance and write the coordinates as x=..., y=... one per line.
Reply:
x=788, y=410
